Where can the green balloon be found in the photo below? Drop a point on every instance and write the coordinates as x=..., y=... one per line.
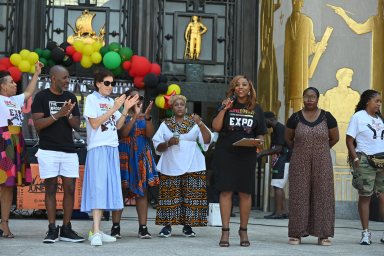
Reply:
x=39, y=51
x=111, y=60
x=114, y=47
x=46, y=54
x=168, y=112
x=44, y=61
x=117, y=71
x=126, y=53
x=104, y=50
x=51, y=63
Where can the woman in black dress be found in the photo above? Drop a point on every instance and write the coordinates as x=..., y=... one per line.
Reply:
x=240, y=117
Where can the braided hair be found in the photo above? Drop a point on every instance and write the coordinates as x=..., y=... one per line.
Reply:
x=364, y=98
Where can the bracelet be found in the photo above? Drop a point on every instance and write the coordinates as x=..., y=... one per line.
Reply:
x=200, y=124
x=53, y=117
x=124, y=114
x=356, y=159
x=148, y=119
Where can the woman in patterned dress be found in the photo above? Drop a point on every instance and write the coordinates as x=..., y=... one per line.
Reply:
x=137, y=165
x=182, y=193
x=14, y=168
x=311, y=133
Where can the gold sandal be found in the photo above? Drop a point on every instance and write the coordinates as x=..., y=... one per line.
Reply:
x=324, y=242
x=294, y=241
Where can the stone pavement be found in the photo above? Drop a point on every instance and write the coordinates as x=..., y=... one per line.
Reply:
x=267, y=237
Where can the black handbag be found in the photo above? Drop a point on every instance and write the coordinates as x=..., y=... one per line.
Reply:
x=376, y=160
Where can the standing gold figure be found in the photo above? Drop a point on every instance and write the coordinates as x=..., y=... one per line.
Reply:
x=267, y=78
x=192, y=35
x=299, y=45
x=341, y=101
x=374, y=24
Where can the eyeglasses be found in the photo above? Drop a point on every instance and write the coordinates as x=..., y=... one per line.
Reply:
x=312, y=98
x=108, y=83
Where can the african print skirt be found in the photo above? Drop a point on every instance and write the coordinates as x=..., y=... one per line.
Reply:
x=14, y=168
x=183, y=200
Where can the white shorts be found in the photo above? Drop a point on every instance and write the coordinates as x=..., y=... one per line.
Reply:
x=57, y=163
x=280, y=183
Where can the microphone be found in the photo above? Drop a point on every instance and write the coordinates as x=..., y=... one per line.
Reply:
x=231, y=100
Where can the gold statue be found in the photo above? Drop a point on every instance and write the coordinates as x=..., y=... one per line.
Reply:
x=374, y=24
x=84, y=31
x=341, y=101
x=192, y=35
x=267, y=77
x=299, y=45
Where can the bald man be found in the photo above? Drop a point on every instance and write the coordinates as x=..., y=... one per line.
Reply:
x=55, y=113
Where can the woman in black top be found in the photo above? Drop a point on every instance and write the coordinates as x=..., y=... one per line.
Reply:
x=240, y=117
x=311, y=133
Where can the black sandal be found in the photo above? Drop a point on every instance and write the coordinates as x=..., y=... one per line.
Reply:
x=244, y=243
x=224, y=243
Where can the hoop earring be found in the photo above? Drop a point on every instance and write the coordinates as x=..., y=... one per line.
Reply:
x=249, y=93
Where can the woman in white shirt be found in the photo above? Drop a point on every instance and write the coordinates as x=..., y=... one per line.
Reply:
x=102, y=182
x=182, y=192
x=14, y=168
x=364, y=140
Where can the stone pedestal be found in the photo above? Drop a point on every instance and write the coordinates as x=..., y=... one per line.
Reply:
x=194, y=72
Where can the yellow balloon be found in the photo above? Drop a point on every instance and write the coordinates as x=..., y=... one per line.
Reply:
x=87, y=49
x=15, y=59
x=173, y=87
x=78, y=46
x=86, y=61
x=24, y=66
x=97, y=46
x=33, y=58
x=96, y=57
x=24, y=54
x=32, y=70
x=160, y=101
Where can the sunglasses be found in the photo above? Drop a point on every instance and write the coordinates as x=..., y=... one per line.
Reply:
x=108, y=83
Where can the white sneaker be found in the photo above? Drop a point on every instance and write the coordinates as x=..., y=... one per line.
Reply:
x=104, y=237
x=95, y=239
x=107, y=238
x=365, y=238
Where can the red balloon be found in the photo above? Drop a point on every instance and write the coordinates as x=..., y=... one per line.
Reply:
x=6, y=62
x=155, y=68
x=131, y=73
x=138, y=82
x=76, y=57
x=15, y=73
x=127, y=65
x=140, y=66
x=2, y=67
x=70, y=50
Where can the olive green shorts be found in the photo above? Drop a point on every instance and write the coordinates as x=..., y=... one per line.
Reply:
x=367, y=179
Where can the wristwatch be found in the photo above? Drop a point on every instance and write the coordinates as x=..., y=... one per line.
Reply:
x=148, y=119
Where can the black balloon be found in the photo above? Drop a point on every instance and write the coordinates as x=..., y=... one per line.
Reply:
x=162, y=88
x=51, y=45
x=58, y=54
x=67, y=61
x=163, y=79
x=151, y=80
x=64, y=45
x=151, y=93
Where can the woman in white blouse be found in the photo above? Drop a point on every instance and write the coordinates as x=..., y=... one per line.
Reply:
x=179, y=141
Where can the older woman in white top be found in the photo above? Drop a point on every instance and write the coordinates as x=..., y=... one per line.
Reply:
x=182, y=195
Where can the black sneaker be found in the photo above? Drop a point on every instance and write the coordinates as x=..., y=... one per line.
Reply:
x=166, y=231
x=143, y=233
x=188, y=232
x=67, y=234
x=115, y=231
x=52, y=234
